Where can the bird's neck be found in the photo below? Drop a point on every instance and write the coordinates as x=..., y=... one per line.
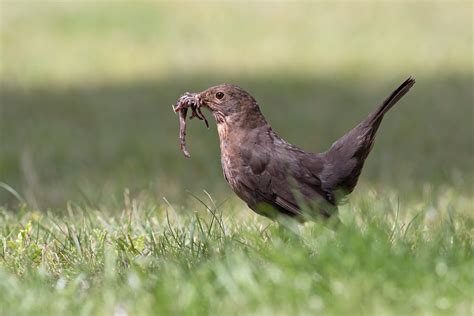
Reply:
x=235, y=129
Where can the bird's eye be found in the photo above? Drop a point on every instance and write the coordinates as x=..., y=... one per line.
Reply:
x=219, y=95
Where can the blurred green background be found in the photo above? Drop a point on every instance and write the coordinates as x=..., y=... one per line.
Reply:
x=87, y=88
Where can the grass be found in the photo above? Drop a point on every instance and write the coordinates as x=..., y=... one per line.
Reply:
x=101, y=214
x=149, y=259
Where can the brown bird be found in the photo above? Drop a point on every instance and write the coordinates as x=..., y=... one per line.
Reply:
x=274, y=177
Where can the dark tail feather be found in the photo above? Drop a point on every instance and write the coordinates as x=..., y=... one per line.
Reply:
x=346, y=156
x=376, y=116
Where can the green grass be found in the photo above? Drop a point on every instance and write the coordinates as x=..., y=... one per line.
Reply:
x=150, y=259
x=89, y=148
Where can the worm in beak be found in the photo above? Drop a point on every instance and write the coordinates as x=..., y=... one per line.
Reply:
x=188, y=100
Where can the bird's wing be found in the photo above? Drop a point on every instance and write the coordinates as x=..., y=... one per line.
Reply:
x=277, y=175
x=311, y=167
x=264, y=181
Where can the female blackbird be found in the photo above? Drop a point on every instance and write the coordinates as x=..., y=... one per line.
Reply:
x=274, y=177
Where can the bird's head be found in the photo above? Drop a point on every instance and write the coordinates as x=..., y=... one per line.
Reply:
x=231, y=105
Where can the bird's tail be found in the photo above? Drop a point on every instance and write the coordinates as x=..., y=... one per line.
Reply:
x=347, y=155
x=376, y=117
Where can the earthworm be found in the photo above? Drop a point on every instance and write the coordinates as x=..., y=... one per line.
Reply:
x=188, y=100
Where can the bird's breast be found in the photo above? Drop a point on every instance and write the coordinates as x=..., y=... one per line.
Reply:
x=230, y=161
x=223, y=130
x=231, y=158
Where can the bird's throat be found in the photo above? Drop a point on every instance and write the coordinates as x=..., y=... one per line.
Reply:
x=223, y=131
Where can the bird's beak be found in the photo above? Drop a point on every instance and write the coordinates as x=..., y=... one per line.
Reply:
x=202, y=101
